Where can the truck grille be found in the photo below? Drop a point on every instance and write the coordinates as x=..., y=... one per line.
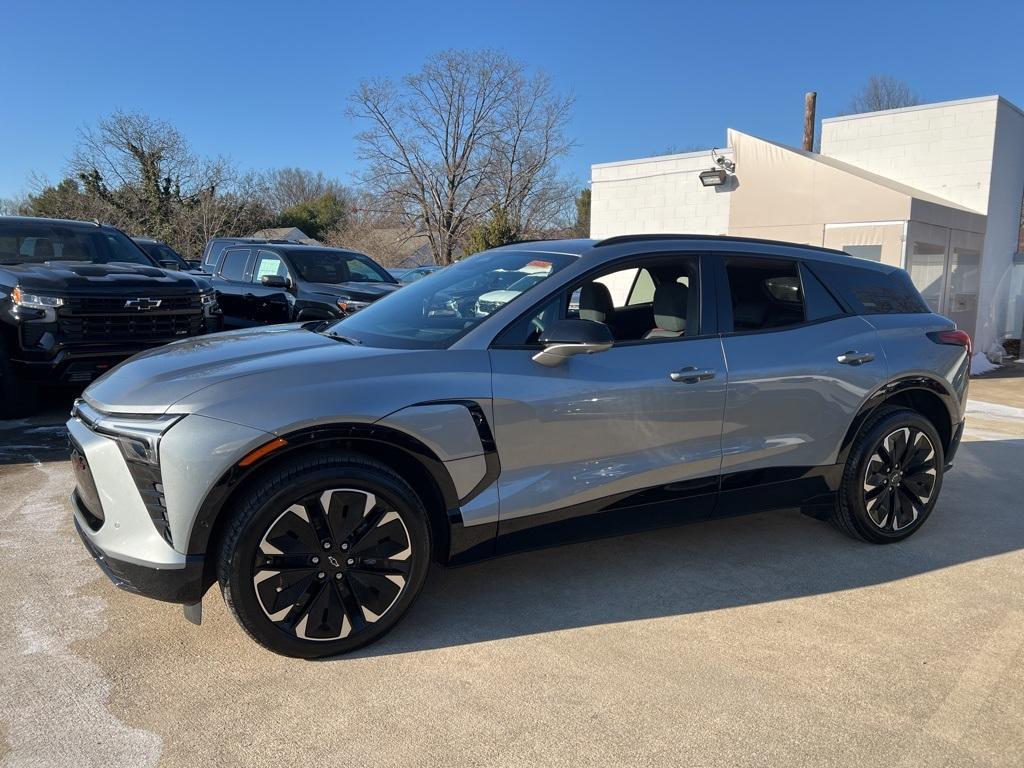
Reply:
x=103, y=319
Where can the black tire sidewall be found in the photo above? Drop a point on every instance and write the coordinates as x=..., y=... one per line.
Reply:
x=241, y=552
x=853, y=492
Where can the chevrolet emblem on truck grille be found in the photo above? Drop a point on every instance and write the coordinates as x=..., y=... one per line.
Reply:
x=142, y=304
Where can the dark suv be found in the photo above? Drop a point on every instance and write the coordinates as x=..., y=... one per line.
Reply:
x=78, y=298
x=278, y=283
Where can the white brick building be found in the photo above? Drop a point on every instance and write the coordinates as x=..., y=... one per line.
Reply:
x=937, y=189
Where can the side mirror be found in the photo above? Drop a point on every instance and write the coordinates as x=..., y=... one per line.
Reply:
x=170, y=264
x=275, y=281
x=566, y=338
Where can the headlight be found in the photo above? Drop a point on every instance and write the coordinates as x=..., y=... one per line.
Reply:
x=208, y=299
x=349, y=305
x=137, y=435
x=34, y=301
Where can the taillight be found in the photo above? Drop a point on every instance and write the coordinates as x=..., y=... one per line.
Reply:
x=957, y=338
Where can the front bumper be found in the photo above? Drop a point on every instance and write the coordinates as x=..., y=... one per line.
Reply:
x=174, y=585
x=118, y=529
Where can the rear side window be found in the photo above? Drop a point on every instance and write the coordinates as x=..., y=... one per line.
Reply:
x=870, y=292
x=819, y=303
x=233, y=267
x=765, y=293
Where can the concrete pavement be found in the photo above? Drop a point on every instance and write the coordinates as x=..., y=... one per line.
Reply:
x=766, y=640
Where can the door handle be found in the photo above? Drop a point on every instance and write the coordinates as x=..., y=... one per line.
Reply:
x=854, y=357
x=691, y=375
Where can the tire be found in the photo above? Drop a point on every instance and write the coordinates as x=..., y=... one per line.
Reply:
x=892, y=478
x=16, y=399
x=352, y=540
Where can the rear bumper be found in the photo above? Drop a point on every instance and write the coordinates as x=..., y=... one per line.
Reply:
x=172, y=585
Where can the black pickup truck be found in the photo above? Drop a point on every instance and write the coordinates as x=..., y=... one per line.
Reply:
x=78, y=298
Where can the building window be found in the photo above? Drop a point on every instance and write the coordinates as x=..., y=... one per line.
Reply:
x=870, y=252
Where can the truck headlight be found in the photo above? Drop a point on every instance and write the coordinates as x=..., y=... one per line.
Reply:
x=35, y=301
x=349, y=306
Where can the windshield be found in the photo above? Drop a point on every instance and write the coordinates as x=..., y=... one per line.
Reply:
x=338, y=267
x=24, y=242
x=433, y=312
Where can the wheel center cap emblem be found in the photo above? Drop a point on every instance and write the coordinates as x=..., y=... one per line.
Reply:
x=334, y=561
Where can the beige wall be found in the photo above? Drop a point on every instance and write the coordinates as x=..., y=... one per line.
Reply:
x=778, y=184
x=889, y=235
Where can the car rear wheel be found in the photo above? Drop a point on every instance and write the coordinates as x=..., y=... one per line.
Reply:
x=325, y=555
x=892, y=478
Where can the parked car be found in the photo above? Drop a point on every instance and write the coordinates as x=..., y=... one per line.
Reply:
x=258, y=284
x=215, y=249
x=77, y=298
x=167, y=257
x=406, y=276
x=314, y=471
x=492, y=300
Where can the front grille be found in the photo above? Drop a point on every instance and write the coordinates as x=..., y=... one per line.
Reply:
x=91, y=305
x=103, y=319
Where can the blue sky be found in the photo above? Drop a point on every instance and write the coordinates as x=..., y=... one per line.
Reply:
x=266, y=83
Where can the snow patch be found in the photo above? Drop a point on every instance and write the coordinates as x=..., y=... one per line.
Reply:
x=981, y=364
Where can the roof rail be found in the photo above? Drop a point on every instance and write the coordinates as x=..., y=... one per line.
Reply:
x=617, y=239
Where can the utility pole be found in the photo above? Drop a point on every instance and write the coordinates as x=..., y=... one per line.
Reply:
x=810, y=102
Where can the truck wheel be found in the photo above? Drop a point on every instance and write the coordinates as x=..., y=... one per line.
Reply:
x=16, y=399
x=892, y=478
x=324, y=555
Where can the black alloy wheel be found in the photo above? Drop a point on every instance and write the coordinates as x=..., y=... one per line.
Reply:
x=892, y=477
x=325, y=555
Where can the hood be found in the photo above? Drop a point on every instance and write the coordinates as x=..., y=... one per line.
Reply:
x=153, y=381
x=355, y=290
x=86, y=278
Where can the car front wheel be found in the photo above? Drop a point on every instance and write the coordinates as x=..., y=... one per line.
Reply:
x=892, y=478
x=325, y=555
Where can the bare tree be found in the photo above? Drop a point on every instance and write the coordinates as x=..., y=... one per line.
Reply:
x=882, y=92
x=284, y=188
x=469, y=131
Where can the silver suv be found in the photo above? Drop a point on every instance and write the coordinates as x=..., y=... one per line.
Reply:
x=314, y=471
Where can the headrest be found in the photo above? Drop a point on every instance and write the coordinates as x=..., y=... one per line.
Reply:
x=595, y=302
x=671, y=301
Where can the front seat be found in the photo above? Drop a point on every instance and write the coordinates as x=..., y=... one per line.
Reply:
x=671, y=302
x=596, y=303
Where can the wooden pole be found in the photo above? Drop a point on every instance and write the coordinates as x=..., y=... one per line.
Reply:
x=810, y=102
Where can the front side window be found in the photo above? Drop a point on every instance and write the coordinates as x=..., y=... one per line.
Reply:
x=765, y=293
x=268, y=263
x=657, y=298
x=431, y=314
x=42, y=241
x=233, y=264
x=329, y=266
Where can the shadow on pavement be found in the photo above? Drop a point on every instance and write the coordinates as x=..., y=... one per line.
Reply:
x=713, y=566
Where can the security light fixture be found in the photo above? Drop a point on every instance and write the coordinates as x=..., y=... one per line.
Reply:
x=713, y=177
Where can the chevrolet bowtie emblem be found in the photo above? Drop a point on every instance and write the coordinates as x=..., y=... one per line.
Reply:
x=141, y=304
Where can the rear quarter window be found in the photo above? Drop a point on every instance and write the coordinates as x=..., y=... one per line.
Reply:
x=870, y=292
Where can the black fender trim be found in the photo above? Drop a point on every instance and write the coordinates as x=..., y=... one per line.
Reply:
x=902, y=385
x=461, y=538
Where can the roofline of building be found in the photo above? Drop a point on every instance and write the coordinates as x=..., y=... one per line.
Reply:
x=919, y=107
x=726, y=151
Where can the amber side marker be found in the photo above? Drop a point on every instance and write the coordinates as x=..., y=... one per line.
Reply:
x=262, y=451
